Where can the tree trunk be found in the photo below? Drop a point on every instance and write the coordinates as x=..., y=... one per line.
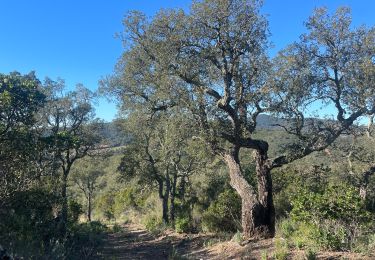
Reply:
x=256, y=214
x=164, y=200
x=89, y=206
x=265, y=195
x=370, y=125
x=172, y=198
x=64, y=208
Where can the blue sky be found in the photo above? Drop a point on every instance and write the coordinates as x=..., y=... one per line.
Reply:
x=74, y=39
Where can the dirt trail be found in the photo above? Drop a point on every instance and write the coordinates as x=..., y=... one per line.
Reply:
x=136, y=243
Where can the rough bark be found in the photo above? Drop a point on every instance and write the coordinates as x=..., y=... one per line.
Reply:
x=257, y=213
x=265, y=196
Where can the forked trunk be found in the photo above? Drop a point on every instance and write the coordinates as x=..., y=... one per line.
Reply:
x=257, y=212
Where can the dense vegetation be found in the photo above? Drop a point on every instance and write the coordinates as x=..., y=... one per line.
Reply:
x=214, y=136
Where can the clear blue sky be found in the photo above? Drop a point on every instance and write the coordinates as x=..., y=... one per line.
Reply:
x=74, y=39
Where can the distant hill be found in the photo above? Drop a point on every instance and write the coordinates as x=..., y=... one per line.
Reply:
x=113, y=134
x=268, y=122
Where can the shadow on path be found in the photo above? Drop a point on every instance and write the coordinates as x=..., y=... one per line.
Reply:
x=135, y=243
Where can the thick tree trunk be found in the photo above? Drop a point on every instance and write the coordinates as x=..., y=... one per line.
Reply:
x=265, y=195
x=257, y=213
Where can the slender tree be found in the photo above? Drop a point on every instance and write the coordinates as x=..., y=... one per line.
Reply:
x=69, y=129
x=86, y=178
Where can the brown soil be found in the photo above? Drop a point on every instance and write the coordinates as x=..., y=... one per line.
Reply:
x=134, y=242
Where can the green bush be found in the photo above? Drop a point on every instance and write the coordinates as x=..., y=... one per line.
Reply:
x=223, y=215
x=310, y=254
x=334, y=218
x=152, y=223
x=339, y=202
x=116, y=228
x=281, y=249
x=237, y=237
x=127, y=198
x=182, y=225
x=84, y=240
x=27, y=226
x=106, y=201
x=286, y=228
x=74, y=210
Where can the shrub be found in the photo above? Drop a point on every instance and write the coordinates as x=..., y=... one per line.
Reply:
x=74, y=210
x=116, y=228
x=334, y=218
x=223, y=215
x=286, y=228
x=182, y=225
x=153, y=223
x=281, y=249
x=310, y=254
x=27, y=223
x=127, y=198
x=237, y=237
x=84, y=239
x=106, y=201
x=340, y=202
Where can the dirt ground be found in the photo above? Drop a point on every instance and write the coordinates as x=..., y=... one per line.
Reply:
x=134, y=242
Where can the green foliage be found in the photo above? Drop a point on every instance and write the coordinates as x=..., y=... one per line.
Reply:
x=281, y=249
x=310, y=254
x=28, y=228
x=264, y=255
x=154, y=223
x=116, y=228
x=74, y=210
x=238, y=237
x=333, y=218
x=20, y=97
x=182, y=224
x=27, y=222
x=127, y=198
x=286, y=228
x=336, y=202
x=223, y=214
x=105, y=203
x=84, y=240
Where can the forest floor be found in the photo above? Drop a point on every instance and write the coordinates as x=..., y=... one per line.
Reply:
x=134, y=242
